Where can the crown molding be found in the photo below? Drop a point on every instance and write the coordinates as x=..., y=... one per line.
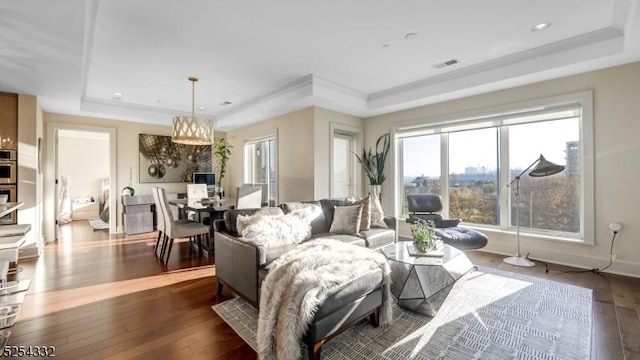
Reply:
x=309, y=90
x=585, y=52
x=585, y=47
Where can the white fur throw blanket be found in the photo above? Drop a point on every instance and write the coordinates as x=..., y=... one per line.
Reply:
x=297, y=284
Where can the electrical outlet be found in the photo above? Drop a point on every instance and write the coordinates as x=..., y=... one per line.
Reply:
x=615, y=227
x=613, y=257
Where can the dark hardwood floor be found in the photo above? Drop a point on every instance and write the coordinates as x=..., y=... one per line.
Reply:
x=95, y=297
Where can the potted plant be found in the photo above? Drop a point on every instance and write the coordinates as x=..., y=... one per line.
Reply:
x=222, y=153
x=373, y=163
x=424, y=235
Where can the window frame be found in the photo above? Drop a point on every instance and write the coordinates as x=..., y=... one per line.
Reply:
x=478, y=119
x=270, y=134
x=356, y=170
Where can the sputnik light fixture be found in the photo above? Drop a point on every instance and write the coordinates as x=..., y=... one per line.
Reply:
x=191, y=130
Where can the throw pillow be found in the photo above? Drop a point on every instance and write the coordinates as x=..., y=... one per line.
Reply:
x=377, y=214
x=245, y=221
x=318, y=224
x=365, y=222
x=346, y=219
x=274, y=230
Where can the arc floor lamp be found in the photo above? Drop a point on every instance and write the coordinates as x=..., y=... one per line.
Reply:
x=544, y=168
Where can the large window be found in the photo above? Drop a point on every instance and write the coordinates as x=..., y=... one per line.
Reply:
x=473, y=178
x=421, y=168
x=260, y=166
x=548, y=203
x=471, y=162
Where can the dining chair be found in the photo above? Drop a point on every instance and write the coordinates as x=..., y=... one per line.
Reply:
x=161, y=240
x=159, y=220
x=175, y=230
x=198, y=192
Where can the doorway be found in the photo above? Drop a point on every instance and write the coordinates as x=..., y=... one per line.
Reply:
x=343, y=177
x=86, y=157
x=344, y=173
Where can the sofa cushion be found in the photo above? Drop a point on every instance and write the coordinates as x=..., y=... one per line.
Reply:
x=267, y=255
x=350, y=292
x=327, y=209
x=365, y=220
x=318, y=224
x=376, y=237
x=231, y=216
x=346, y=220
x=349, y=239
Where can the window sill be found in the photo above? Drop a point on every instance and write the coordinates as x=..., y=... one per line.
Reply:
x=570, y=240
x=536, y=236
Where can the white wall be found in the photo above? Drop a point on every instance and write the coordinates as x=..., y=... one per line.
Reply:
x=85, y=160
x=295, y=154
x=304, y=151
x=617, y=163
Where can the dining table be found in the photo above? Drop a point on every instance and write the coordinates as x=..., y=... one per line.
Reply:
x=215, y=209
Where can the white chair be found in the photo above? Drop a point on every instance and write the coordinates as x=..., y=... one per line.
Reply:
x=174, y=229
x=249, y=197
x=160, y=222
x=197, y=192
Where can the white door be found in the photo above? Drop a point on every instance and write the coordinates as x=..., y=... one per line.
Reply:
x=343, y=170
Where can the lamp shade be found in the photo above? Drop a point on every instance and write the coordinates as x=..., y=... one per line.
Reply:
x=545, y=168
x=191, y=130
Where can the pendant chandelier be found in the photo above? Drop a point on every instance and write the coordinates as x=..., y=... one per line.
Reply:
x=191, y=130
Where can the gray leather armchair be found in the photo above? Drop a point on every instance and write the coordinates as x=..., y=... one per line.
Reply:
x=428, y=206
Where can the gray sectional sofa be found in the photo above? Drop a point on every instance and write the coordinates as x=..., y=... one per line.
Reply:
x=240, y=263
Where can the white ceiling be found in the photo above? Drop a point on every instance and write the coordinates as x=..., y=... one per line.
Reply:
x=273, y=57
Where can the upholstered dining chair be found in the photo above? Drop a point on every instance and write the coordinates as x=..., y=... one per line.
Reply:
x=161, y=240
x=197, y=192
x=176, y=229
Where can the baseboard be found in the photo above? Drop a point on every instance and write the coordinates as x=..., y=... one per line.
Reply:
x=28, y=252
x=618, y=267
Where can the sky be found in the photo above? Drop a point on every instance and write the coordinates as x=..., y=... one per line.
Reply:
x=478, y=148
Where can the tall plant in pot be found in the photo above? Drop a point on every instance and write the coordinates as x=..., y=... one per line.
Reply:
x=373, y=162
x=222, y=153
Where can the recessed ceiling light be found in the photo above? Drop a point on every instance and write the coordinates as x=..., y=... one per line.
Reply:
x=385, y=46
x=541, y=26
x=158, y=101
x=117, y=95
x=201, y=108
x=226, y=103
x=410, y=36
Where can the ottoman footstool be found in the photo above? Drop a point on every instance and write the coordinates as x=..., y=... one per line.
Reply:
x=317, y=290
x=345, y=307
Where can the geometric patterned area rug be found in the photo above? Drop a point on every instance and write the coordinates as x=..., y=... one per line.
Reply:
x=489, y=314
